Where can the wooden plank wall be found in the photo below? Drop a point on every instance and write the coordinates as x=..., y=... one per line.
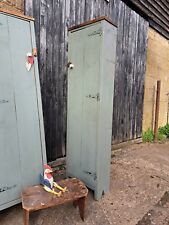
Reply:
x=157, y=13
x=53, y=17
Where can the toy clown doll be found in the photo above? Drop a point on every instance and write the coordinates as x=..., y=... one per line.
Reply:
x=48, y=182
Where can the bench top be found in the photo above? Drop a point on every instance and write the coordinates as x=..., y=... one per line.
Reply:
x=35, y=197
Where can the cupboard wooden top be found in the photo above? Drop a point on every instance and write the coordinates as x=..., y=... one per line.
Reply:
x=16, y=14
x=91, y=22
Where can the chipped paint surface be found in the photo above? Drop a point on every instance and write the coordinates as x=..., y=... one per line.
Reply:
x=7, y=188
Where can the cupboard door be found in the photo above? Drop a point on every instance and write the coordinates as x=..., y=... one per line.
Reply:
x=83, y=103
x=10, y=177
x=91, y=103
x=26, y=101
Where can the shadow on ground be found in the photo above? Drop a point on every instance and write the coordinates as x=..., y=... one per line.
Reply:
x=139, y=194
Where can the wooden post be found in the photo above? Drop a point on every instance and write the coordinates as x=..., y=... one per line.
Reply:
x=168, y=109
x=157, y=107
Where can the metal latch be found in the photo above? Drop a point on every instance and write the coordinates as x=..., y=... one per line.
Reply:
x=97, y=96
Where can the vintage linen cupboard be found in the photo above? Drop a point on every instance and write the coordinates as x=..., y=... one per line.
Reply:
x=22, y=146
x=92, y=54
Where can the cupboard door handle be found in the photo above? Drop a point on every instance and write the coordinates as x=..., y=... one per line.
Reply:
x=70, y=65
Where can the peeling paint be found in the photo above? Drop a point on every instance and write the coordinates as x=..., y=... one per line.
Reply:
x=3, y=189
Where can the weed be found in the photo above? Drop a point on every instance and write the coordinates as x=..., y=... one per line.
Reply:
x=161, y=137
x=148, y=136
x=164, y=130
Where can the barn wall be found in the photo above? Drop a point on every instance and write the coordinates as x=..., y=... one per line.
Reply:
x=14, y=5
x=52, y=19
x=157, y=69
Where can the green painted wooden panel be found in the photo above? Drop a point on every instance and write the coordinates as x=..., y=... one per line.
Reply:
x=26, y=102
x=91, y=80
x=82, y=104
x=38, y=96
x=90, y=103
x=75, y=103
x=22, y=133
x=10, y=186
x=108, y=62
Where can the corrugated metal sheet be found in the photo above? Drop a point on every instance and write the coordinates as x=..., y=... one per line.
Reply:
x=53, y=17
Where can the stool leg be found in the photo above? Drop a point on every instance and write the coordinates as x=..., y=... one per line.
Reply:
x=75, y=203
x=26, y=217
x=81, y=204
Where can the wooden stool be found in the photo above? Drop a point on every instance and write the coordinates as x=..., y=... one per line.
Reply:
x=36, y=198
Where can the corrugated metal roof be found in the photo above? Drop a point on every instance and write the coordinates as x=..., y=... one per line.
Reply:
x=157, y=13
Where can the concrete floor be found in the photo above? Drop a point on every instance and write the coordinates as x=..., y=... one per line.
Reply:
x=138, y=195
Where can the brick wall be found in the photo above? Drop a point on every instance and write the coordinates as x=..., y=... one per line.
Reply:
x=157, y=68
x=14, y=5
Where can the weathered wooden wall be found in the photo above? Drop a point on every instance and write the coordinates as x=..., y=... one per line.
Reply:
x=53, y=17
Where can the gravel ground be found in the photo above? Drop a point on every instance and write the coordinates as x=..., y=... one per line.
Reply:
x=139, y=194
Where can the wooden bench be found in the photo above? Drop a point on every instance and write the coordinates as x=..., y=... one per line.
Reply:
x=36, y=198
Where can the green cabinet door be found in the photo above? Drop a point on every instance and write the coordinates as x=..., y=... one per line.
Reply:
x=90, y=104
x=83, y=98
x=10, y=176
x=26, y=99
x=22, y=144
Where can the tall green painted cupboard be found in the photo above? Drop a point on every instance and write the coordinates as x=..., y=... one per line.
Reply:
x=22, y=145
x=92, y=55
